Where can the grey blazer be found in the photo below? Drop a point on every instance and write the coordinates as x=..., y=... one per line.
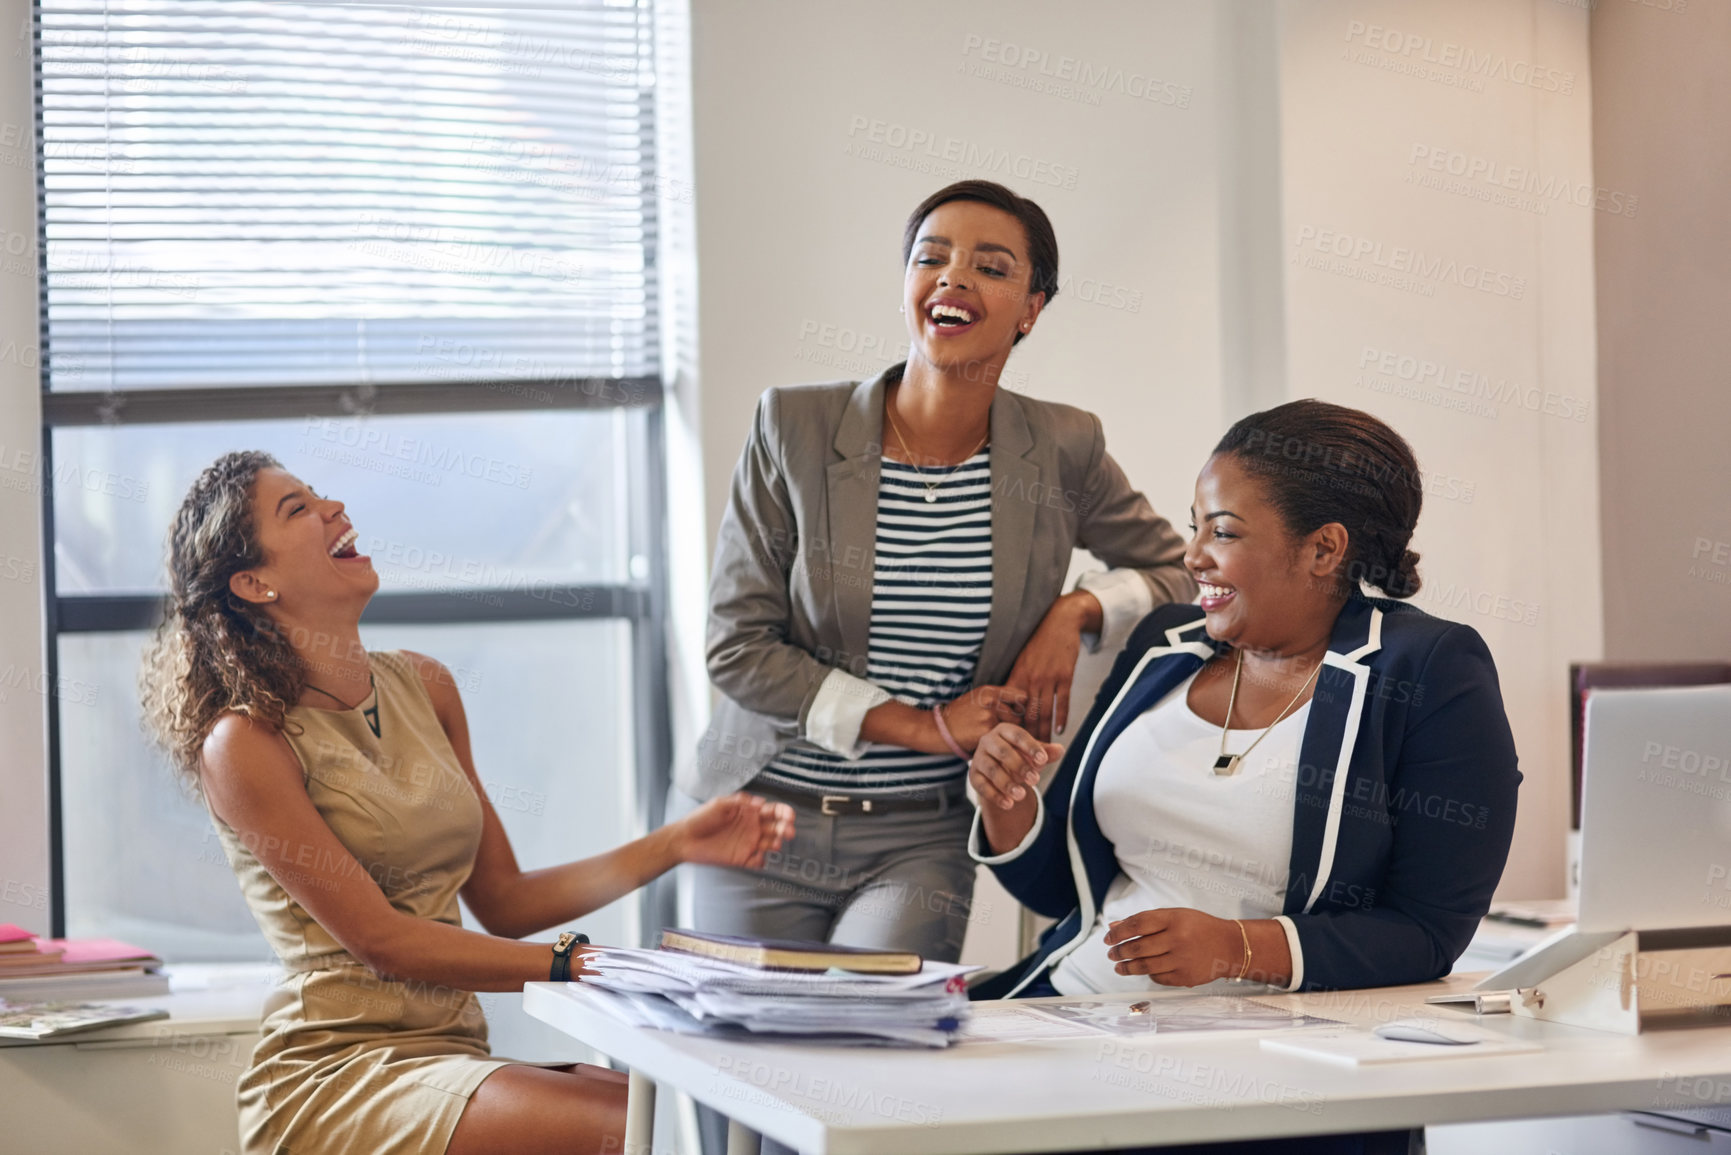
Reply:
x=790, y=595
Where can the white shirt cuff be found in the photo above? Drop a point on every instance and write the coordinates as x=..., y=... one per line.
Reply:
x=839, y=711
x=1124, y=598
x=977, y=835
x=1294, y=949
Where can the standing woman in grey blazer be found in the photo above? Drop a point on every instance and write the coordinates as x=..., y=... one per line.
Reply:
x=888, y=583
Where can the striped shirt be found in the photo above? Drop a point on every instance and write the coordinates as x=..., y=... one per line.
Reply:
x=931, y=600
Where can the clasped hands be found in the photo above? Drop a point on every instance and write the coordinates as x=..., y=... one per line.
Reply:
x=1036, y=696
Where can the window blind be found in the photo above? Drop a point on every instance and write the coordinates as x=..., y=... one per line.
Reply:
x=251, y=192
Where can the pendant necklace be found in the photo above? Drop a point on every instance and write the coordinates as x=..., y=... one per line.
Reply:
x=931, y=486
x=371, y=714
x=1227, y=764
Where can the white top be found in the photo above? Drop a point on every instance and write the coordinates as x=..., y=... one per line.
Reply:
x=1187, y=837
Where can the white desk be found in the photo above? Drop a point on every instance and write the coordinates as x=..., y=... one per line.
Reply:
x=988, y=1099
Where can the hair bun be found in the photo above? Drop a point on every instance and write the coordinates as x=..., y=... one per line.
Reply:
x=1403, y=579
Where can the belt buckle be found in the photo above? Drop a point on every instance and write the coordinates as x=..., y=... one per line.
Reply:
x=828, y=798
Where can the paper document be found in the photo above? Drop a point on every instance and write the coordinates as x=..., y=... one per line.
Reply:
x=1091, y=1018
x=1361, y=1048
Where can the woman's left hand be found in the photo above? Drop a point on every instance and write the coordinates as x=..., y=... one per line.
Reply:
x=1176, y=946
x=737, y=830
x=1037, y=693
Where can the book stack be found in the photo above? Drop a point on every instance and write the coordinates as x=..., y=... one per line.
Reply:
x=34, y=970
x=720, y=985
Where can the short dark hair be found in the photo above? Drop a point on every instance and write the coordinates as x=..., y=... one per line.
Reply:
x=1322, y=463
x=1042, y=241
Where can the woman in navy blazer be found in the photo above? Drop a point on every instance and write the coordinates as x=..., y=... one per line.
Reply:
x=1403, y=803
x=1402, y=777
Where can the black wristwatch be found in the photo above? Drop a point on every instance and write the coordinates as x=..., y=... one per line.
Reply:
x=562, y=948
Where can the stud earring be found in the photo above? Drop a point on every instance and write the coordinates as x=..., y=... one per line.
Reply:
x=270, y=593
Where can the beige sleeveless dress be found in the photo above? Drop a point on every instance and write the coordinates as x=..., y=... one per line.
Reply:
x=348, y=1062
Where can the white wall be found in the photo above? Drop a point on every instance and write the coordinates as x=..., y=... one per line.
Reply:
x=24, y=897
x=1660, y=110
x=1510, y=533
x=1196, y=209
x=804, y=177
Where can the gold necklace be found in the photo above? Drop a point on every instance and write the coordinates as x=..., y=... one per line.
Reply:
x=1227, y=764
x=931, y=486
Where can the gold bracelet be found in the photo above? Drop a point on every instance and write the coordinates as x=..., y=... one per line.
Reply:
x=1245, y=935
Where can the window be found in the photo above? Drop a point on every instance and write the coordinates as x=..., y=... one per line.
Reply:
x=410, y=250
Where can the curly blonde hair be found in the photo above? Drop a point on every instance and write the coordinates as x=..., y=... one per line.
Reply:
x=215, y=652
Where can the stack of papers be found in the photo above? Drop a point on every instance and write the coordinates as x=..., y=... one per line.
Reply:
x=671, y=991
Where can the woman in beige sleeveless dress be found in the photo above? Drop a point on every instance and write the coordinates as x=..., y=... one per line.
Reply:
x=342, y=786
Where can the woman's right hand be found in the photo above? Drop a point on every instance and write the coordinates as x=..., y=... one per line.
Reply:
x=969, y=717
x=1005, y=769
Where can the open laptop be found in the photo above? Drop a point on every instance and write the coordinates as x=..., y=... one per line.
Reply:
x=1655, y=828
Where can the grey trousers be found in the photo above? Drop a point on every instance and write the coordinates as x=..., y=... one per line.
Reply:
x=894, y=881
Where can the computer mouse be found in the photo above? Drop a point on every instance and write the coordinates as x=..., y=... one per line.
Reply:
x=1428, y=1031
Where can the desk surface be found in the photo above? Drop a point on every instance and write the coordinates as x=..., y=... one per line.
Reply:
x=992, y=1098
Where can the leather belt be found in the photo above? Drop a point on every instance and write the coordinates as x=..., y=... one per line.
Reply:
x=835, y=804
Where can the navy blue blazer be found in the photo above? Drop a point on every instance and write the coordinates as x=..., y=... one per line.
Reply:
x=1405, y=801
